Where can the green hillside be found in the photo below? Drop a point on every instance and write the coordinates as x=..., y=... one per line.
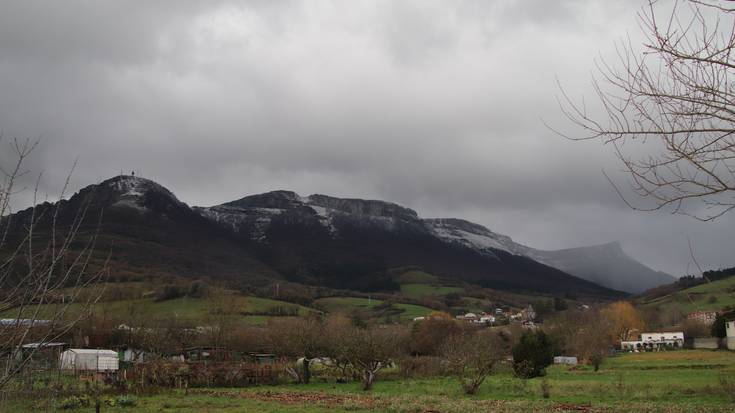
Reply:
x=371, y=308
x=192, y=310
x=420, y=290
x=711, y=296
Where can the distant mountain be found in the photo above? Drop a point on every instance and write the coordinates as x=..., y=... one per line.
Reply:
x=605, y=264
x=321, y=240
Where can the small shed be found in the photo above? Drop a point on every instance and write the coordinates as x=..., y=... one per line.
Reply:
x=77, y=359
x=572, y=361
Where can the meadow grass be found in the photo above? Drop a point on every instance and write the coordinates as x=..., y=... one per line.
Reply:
x=348, y=305
x=195, y=310
x=421, y=290
x=677, y=381
x=698, y=297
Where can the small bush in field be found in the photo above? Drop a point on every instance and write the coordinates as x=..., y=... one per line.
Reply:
x=73, y=402
x=532, y=354
x=126, y=401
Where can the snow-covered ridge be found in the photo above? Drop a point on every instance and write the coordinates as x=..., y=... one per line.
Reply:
x=473, y=236
x=253, y=214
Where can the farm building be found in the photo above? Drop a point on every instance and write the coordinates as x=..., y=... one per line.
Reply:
x=77, y=359
x=655, y=341
x=40, y=355
x=730, y=333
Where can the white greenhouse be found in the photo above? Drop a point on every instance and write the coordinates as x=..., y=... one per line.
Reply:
x=77, y=359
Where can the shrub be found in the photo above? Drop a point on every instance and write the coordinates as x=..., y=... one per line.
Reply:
x=126, y=401
x=532, y=354
x=73, y=402
x=169, y=292
x=197, y=289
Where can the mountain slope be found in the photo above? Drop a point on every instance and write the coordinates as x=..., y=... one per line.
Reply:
x=349, y=243
x=321, y=240
x=147, y=232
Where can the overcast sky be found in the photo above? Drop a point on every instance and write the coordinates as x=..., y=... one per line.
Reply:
x=435, y=105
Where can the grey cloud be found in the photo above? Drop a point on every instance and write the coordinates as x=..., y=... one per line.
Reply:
x=435, y=105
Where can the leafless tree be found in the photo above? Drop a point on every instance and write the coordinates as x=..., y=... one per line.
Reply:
x=372, y=348
x=302, y=339
x=337, y=333
x=673, y=103
x=44, y=282
x=590, y=339
x=472, y=356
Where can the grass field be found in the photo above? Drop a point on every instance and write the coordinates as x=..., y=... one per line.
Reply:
x=700, y=297
x=421, y=290
x=680, y=381
x=417, y=277
x=195, y=310
x=348, y=305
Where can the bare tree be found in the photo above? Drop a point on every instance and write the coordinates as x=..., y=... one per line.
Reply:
x=472, y=356
x=676, y=99
x=337, y=333
x=588, y=336
x=301, y=339
x=43, y=279
x=372, y=348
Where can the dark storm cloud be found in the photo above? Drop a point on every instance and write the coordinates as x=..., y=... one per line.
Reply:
x=434, y=105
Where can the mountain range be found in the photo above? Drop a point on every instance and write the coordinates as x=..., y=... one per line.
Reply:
x=329, y=241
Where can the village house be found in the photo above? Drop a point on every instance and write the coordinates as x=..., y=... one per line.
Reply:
x=468, y=317
x=705, y=317
x=654, y=341
x=486, y=319
x=483, y=318
x=528, y=314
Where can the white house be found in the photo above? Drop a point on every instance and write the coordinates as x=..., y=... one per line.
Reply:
x=77, y=359
x=730, y=330
x=486, y=319
x=655, y=341
x=468, y=317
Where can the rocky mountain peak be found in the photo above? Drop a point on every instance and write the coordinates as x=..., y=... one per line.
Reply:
x=127, y=191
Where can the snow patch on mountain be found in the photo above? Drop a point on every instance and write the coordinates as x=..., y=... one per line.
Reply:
x=473, y=236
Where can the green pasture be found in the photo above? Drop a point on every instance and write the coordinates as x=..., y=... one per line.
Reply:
x=677, y=381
